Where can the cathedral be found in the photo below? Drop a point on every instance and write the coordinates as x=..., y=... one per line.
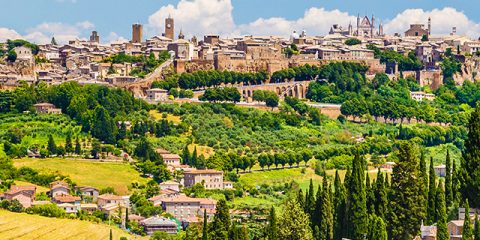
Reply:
x=365, y=28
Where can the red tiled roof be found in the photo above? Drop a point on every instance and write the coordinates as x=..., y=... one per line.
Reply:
x=15, y=189
x=170, y=156
x=66, y=198
x=180, y=199
x=204, y=171
x=109, y=196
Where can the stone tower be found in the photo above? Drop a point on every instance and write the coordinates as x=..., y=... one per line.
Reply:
x=137, y=33
x=170, y=28
x=429, y=26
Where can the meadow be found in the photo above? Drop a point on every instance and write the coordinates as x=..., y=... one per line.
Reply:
x=24, y=226
x=88, y=173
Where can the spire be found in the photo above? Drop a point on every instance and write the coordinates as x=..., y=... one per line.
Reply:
x=180, y=35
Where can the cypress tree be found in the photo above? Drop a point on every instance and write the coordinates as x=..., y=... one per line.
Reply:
x=370, y=195
x=272, y=229
x=467, y=233
x=455, y=184
x=78, y=147
x=432, y=192
x=470, y=162
x=326, y=219
x=380, y=194
x=310, y=200
x=205, y=226
x=442, y=229
x=406, y=208
x=448, y=179
x=424, y=183
x=356, y=204
x=186, y=155
x=51, y=147
x=377, y=229
x=221, y=222
x=193, y=158
x=317, y=212
x=126, y=219
x=340, y=199
x=122, y=131
x=301, y=199
x=294, y=223
x=476, y=229
x=68, y=143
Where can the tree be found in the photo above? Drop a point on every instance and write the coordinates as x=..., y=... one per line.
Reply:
x=448, y=179
x=377, y=229
x=406, y=209
x=380, y=195
x=51, y=146
x=122, y=131
x=103, y=126
x=294, y=223
x=326, y=219
x=356, y=204
x=467, y=233
x=425, y=38
x=68, y=143
x=310, y=200
x=272, y=228
x=54, y=41
x=186, y=155
x=470, y=162
x=205, y=226
x=340, y=199
x=126, y=219
x=12, y=56
x=476, y=229
x=442, y=229
x=432, y=192
x=221, y=222
x=352, y=41
x=78, y=147
x=96, y=148
x=111, y=235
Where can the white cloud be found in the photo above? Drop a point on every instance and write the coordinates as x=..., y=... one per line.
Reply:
x=195, y=17
x=316, y=21
x=113, y=37
x=62, y=32
x=442, y=22
x=6, y=33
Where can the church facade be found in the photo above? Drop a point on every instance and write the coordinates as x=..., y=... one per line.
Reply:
x=365, y=28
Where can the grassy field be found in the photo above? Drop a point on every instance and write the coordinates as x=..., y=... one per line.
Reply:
x=24, y=226
x=95, y=174
x=280, y=176
x=286, y=175
x=158, y=116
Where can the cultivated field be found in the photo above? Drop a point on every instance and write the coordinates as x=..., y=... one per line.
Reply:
x=88, y=173
x=25, y=226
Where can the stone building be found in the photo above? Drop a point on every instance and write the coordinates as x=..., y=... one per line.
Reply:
x=211, y=179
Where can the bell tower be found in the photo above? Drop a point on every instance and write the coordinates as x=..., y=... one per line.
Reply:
x=169, y=28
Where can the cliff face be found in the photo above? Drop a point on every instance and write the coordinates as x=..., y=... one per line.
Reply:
x=470, y=71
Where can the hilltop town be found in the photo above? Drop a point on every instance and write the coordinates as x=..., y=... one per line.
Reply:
x=355, y=134
x=125, y=64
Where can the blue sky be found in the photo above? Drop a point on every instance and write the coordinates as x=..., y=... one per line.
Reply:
x=112, y=18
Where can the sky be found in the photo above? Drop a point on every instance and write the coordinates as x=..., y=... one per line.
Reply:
x=39, y=20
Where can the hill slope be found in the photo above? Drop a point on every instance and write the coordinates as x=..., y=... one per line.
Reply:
x=25, y=226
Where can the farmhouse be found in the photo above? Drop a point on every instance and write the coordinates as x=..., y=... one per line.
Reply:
x=211, y=179
x=154, y=224
x=47, y=108
x=59, y=188
x=24, y=194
